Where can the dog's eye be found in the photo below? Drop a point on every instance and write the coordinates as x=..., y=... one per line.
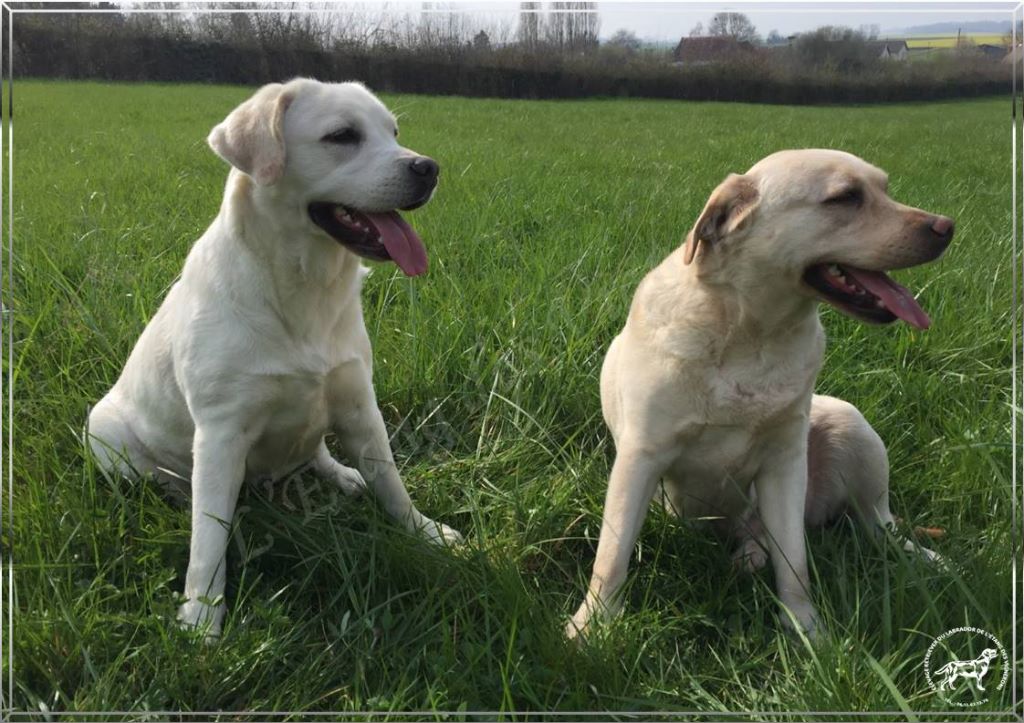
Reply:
x=345, y=137
x=849, y=197
x=396, y=131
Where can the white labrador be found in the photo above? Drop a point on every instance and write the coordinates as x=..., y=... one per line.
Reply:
x=709, y=386
x=260, y=348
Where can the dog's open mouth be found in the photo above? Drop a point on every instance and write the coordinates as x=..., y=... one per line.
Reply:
x=867, y=295
x=375, y=236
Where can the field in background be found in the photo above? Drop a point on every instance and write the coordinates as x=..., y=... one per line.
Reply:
x=548, y=215
x=950, y=41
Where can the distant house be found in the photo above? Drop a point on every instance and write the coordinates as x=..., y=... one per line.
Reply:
x=705, y=50
x=890, y=49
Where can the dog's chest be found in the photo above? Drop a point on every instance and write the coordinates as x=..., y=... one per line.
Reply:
x=297, y=418
x=298, y=372
x=752, y=387
x=736, y=407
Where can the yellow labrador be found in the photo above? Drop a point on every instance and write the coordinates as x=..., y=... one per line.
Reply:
x=260, y=348
x=709, y=387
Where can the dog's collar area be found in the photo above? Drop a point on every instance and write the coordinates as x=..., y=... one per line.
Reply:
x=865, y=295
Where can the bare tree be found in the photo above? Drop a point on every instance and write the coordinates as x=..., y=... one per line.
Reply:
x=835, y=48
x=443, y=26
x=528, y=32
x=572, y=26
x=295, y=24
x=733, y=25
x=870, y=31
x=440, y=26
x=586, y=24
x=554, y=25
x=625, y=39
x=697, y=30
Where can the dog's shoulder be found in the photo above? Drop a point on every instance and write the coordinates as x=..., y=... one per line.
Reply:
x=675, y=315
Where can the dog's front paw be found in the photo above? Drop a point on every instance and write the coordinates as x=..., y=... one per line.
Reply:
x=349, y=480
x=933, y=558
x=802, y=617
x=439, y=533
x=575, y=630
x=582, y=623
x=202, y=617
x=750, y=556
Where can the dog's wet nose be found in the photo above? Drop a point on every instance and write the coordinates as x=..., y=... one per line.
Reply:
x=426, y=167
x=943, y=228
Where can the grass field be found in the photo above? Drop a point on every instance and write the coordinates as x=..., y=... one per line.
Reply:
x=548, y=215
x=950, y=41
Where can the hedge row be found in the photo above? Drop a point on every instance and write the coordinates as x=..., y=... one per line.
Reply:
x=41, y=52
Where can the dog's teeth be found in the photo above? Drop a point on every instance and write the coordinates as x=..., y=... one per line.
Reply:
x=833, y=270
x=879, y=304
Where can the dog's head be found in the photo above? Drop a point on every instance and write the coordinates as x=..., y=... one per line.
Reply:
x=331, y=149
x=819, y=222
x=988, y=653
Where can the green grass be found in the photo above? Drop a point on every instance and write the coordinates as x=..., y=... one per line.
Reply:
x=548, y=215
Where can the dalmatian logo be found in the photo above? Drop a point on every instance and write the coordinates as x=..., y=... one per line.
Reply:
x=960, y=681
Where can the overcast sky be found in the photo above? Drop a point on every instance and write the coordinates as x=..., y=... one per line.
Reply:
x=670, y=20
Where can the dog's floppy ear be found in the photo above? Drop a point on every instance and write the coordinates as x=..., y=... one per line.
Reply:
x=726, y=211
x=251, y=137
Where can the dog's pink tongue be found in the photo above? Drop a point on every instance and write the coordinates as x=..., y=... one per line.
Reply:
x=896, y=298
x=403, y=245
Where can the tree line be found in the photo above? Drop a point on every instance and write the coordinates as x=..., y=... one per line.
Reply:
x=548, y=50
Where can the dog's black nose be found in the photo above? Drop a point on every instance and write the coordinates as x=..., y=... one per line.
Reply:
x=426, y=167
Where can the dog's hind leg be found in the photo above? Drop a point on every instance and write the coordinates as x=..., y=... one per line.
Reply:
x=848, y=468
x=118, y=451
x=347, y=479
x=114, y=445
